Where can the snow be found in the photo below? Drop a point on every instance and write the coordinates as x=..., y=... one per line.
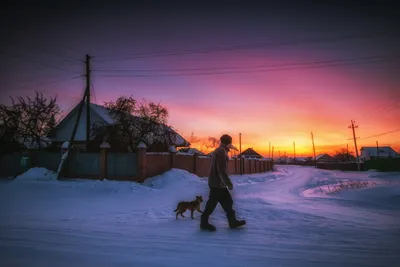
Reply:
x=104, y=113
x=190, y=151
x=172, y=149
x=36, y=174
x=65, y=145
x=108, y=223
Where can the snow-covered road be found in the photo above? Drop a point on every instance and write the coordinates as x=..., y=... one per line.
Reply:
x=94, y=223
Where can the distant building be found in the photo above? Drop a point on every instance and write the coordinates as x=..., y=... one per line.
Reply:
x=370, y=152
x=250, y=154
x=324, y=158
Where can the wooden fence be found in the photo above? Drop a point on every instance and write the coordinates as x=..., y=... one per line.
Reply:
x=125, y=166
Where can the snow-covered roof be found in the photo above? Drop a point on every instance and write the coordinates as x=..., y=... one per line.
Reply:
x=191, y=151
x=383, y=151
x=321, y=155
x=250, y=153
x=103, y=113
x=301, y=158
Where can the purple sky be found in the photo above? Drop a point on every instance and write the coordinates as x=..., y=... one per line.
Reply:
x=45, y=47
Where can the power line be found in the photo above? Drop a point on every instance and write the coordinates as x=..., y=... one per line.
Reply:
x=66, y=58
x=245, y=46
x=376, y=135
x=383, y=108
x=244, y=71
x=240, y=67
x=52, y=82
x=46, y=65
x=51, y=52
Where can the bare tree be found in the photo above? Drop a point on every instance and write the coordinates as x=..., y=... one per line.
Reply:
x=31, y=120
x=136, y=122
x=213, y=142
x=8, y=130
x=193, y=139
x=209, y=145
x=342, y=155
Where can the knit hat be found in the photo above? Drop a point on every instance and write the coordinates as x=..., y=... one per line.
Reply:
x=226, y=139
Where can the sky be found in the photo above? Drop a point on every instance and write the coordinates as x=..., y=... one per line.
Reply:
x=272, y=72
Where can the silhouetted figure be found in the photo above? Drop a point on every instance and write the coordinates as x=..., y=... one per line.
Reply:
x=219, y=183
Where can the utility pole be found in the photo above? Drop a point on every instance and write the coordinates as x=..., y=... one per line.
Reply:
x=78, y=117
x=240, y=156
x=312, y=138
x=87, y=93
x=269, y=150
x=377, y=149
x=348, y=155
x=240, y=143
x=294, y=151
x=355, y=142
x=272, y=152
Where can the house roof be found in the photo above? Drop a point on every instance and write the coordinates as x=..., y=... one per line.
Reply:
x=191, y=151
x=104, y=114
x=383, y=151
x=250, y=152
x=322, y=155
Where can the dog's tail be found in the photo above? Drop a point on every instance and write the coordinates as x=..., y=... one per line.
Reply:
x=177, y=207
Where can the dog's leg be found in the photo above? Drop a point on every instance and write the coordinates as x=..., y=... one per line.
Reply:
x=191, y=213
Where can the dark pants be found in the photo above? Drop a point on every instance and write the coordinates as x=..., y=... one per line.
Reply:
x=221, y=196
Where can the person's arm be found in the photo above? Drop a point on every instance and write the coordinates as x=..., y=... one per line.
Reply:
x=222, y=167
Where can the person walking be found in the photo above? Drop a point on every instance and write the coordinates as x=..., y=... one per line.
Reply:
x=219, y=183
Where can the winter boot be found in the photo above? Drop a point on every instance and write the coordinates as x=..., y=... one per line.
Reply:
x=205, y=225
x=233, y=222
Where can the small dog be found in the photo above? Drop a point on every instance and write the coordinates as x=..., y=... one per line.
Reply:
x=186, y=205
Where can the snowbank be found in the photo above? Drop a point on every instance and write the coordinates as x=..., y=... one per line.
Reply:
x=37, y=174
x=175, y=178
x=380, y=195
x=331, y=183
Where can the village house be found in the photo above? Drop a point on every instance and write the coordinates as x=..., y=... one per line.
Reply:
x=371, y=153
x=324, y=158
x=250, y=154
x=100, y=115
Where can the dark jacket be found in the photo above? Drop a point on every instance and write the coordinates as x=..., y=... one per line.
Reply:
x=219, y=168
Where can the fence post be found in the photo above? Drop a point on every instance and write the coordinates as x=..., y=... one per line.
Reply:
x=172, y=151
x=103, y=160
x=235, y=160
x=141, y=161
x=195, y=157
x=250, y=166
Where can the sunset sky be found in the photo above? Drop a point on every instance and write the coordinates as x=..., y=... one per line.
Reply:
x=273, y=73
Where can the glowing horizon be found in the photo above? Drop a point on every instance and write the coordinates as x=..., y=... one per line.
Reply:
x=151, y=54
